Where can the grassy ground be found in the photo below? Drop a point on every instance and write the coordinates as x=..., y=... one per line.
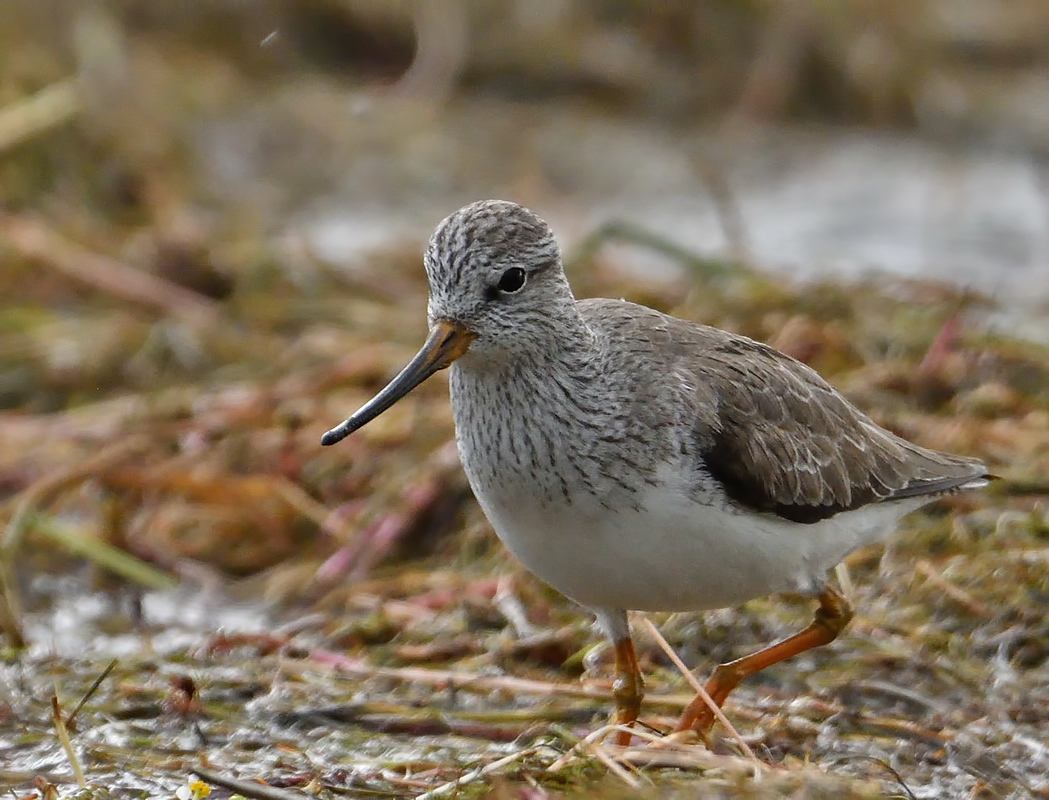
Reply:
x=167, y=366
x=397, y=666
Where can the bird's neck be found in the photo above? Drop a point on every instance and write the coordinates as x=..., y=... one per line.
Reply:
x=514, y=413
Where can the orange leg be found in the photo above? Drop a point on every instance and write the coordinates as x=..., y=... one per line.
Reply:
x=628, y=687
x=832, y=616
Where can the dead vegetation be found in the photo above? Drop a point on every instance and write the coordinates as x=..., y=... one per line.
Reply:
x=168, y=364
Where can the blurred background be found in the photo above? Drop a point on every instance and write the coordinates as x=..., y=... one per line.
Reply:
x=211, y=223
x=898, y=136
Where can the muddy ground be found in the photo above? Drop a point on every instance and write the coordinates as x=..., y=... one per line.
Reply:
x=210, y=237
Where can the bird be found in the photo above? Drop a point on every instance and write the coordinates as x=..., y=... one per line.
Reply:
x=635, y=461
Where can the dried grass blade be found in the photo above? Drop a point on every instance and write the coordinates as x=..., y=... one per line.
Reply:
x=474, y=775
x=700, y=690
x=67, y=745
x=259, y=791
x=71, y=719
x=38, y=113
x=34, y=239
x=75, y=540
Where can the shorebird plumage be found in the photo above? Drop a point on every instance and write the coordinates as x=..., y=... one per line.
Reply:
x=634, y=460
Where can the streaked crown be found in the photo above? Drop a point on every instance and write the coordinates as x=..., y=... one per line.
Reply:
x=495, y=266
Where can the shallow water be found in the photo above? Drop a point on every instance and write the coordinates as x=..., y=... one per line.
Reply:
x=75, y=622
x=811, y=204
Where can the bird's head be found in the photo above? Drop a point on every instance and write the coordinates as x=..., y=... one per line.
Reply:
x=497, y=292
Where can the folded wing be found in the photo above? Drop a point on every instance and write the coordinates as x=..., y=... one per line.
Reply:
x=782, y=440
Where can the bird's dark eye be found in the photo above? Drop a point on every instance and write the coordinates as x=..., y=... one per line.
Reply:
x=512, y=280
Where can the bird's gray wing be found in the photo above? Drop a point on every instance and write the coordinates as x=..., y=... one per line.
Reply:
x=780, y=439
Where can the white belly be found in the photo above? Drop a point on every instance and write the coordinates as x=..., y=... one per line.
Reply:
x=678, y=554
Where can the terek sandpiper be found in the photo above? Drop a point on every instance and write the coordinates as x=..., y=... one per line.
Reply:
x=633, y=460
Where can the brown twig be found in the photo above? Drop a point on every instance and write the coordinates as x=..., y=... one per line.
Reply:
x=592, y=745
x=669, y=753
x=37, y=494
x=774, y=72
x=956, y=593
x=470, y=681
x=442, y=46
x=726, y=207
x=259, y=791
x=71, y=719
x=34, y=239
x=38, y=113
x=41, y=491
x=692, y=758
x=474, y=775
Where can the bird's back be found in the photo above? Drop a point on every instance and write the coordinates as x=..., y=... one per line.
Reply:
x=766, y=428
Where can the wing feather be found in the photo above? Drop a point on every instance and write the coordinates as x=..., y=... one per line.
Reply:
x=775, y=435
x=784, y=441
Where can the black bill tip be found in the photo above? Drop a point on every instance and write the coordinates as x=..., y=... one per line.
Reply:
x=448, y=340
x=337, y=434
